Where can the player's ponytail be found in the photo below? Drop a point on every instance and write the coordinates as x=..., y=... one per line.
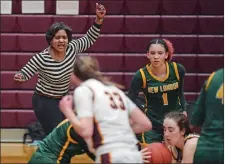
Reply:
x=87, y=67
x=169, y=48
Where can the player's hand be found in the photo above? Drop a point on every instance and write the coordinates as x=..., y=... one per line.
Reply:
x=66, y=104
x=100, y=13
x=185, y=113
x=19, y=77
x=146, y=155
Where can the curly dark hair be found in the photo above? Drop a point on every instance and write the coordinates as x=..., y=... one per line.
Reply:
x=54, y=28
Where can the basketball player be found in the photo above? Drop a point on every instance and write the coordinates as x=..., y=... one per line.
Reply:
x=182, y=143
x=62, y=144
x=209, y=115
x=104, y=113
x=161, y=81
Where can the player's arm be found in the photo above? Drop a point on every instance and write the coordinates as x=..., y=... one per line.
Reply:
x=135, y=88
x=83, y=98
x=139, y=121
x=83, y=104
x=189, y=150
x=198, y=115
x=182, y=72
x=83, y=101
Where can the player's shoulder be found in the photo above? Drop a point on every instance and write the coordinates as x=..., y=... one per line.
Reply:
x=220, y=71
x=214, y=77
x=191, y=143
x=192, y=136
x=191, y=139
x=92, y=83
x=176, y=65
x=145, y=67
x=86, y=86
x=178, y=68
x=139, y=73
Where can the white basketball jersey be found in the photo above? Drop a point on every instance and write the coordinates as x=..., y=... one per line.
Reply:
x=110, y=108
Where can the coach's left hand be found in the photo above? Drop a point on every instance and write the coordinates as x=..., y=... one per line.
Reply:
x=100, y=13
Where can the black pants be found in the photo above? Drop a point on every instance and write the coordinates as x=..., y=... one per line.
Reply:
x=47, y=112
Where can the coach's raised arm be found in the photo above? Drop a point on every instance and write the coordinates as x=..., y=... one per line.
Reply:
x=85, y=42
x=54, y=66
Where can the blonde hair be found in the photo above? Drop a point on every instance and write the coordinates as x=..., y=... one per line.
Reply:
x=87, y=67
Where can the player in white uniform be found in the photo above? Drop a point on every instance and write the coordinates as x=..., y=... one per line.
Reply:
x=108, y=119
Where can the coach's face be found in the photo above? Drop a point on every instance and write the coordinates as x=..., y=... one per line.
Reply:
x=60, y=41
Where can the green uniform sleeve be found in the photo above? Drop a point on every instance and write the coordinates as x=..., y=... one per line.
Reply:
x=135, y=88
x=182, y=72
x=198, y=115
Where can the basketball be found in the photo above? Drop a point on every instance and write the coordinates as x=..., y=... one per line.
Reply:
x=160, y=153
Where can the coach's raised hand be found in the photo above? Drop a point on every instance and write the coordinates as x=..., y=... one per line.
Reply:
x=100, y=13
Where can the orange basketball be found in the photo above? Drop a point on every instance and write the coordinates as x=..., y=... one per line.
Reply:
x=160, y=153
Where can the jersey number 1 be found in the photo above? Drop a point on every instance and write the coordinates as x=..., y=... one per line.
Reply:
x=165, y=99
x=112, y=98
x=219, y=94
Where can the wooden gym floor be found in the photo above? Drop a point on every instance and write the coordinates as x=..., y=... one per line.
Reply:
x=20, y=153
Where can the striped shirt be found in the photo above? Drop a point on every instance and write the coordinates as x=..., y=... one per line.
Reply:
x=54, y=77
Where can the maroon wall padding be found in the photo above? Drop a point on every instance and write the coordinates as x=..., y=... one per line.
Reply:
x=116, y=24
x=16, y=6
x=155, y=7
x=124, y=62
x=195, y=28
x=193, y=44
x=50, y=7
x=16, y=118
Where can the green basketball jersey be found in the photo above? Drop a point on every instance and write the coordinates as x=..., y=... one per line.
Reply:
x=209, y=114
x=161, y=95
x=61, y=144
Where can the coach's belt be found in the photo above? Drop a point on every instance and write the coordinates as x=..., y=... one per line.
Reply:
x=42, y=94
